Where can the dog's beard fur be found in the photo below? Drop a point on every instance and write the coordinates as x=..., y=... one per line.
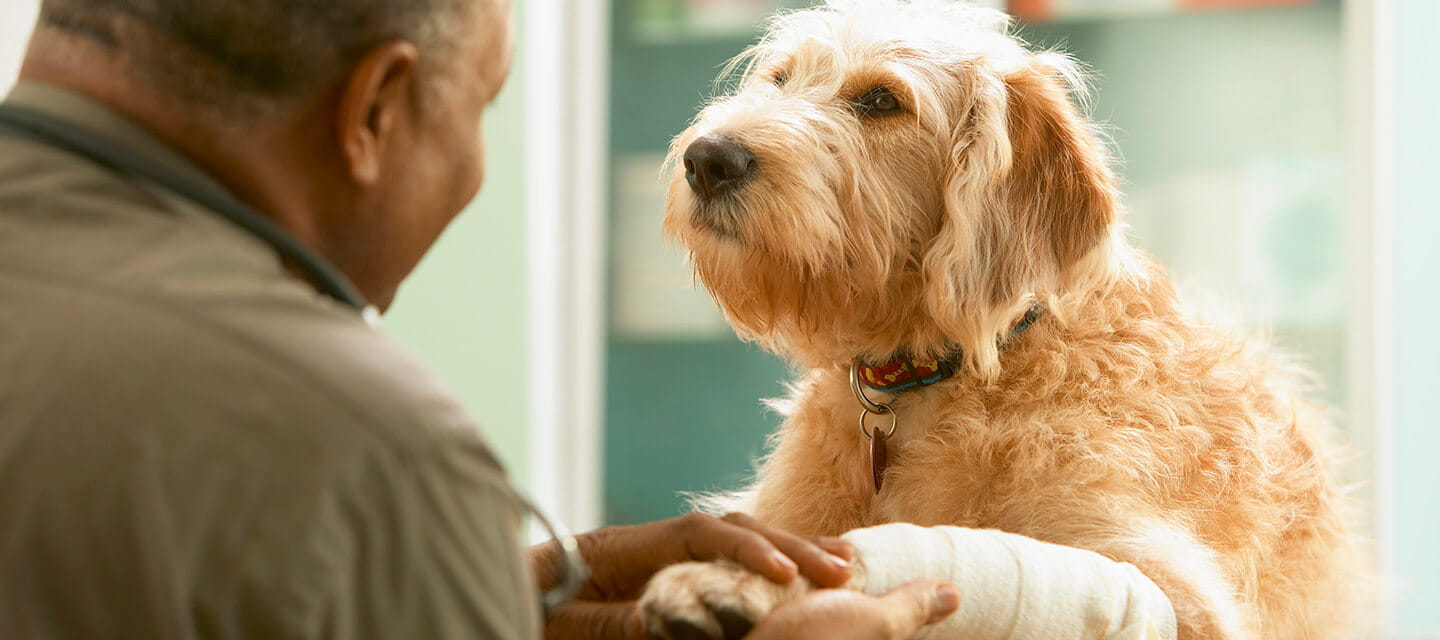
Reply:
x=922, y=231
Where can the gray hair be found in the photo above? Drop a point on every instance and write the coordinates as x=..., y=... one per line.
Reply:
x=250, y=54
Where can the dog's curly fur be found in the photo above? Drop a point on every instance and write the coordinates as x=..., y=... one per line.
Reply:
x=1118, y=423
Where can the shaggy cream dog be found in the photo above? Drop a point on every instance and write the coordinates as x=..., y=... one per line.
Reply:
x=900, y=190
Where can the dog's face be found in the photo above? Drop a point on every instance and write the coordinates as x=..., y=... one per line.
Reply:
x=889, y=175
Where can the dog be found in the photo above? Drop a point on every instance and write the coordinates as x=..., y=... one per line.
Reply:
x=901, y=190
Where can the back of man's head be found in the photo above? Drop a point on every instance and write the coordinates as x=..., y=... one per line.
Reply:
x=243, y=56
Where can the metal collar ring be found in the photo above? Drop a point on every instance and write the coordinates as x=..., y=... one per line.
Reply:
x=870, y=405
x=884, y=434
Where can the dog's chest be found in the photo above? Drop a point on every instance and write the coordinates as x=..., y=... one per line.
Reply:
x=942, y=474
x=943, y=464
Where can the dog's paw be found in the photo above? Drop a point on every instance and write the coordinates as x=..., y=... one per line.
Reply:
x=711, y=601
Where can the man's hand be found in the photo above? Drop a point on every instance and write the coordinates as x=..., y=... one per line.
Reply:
x=622, y=559
x=836, y=614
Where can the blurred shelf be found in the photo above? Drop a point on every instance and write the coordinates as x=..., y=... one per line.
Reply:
x=666, y=35
x=1066, y=11
x=666, y=22
x=661, y=23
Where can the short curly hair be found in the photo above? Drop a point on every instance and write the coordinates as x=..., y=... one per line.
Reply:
x=246, y=53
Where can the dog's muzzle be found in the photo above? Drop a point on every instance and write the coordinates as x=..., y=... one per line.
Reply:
x=716, y=165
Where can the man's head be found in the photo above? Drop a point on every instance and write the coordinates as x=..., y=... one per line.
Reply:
x=355, y=124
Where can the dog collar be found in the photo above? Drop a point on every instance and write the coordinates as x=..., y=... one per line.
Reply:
x=900, y=373
x=904, y=371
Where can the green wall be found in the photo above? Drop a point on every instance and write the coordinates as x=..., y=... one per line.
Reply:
x=1414, y=541
x=1230, y=135
x=464, y=309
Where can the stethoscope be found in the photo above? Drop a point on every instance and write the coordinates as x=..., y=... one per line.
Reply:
x=32, y=125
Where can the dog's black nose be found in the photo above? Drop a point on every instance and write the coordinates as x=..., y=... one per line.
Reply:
x=714, y=165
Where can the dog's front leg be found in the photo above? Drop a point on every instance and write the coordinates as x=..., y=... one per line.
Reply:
x=1016, y=588
x=1012, y=588
x=1204, y=600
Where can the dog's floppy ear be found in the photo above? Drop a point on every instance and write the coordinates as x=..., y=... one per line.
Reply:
x=1059, y=182
x=1028, y=195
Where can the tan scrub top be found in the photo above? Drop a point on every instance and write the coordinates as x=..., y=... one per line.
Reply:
x=195, y=444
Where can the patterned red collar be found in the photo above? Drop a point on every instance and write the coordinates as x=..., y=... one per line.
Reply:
x=907, y=372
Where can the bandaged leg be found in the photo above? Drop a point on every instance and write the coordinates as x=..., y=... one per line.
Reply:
x=1013, y=587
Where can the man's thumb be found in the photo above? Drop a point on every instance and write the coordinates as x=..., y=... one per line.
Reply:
x=920, y=603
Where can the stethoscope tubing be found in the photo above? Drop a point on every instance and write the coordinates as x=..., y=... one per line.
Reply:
x=38, y=127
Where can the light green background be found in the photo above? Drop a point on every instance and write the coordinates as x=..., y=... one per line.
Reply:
x=1414, y=544
x=464, y=309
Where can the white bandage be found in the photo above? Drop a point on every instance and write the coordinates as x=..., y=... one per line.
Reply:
x=1016, y=588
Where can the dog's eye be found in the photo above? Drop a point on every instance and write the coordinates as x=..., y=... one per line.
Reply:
x=779, y=78
x=877, y=102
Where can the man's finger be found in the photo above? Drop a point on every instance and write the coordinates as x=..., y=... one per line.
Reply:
x=595, y=620
x=814, y=561
x=837, y=547
x=622, y=559
x=917, y=604
x=545, y=559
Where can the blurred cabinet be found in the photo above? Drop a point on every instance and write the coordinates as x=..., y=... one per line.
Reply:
x=1230, y=135
x=682, y=395
x=1228, y=129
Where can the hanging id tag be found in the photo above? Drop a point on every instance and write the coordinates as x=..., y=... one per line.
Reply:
x=879, y=457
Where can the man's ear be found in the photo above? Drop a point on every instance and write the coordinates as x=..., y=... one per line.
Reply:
x=1059, y=182
x=372, y=101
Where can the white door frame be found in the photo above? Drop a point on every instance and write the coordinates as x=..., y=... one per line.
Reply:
x=17, y=20
x=1368, y=33
x=566, y=54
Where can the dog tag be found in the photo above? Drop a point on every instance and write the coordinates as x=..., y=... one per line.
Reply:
x=879, y=457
